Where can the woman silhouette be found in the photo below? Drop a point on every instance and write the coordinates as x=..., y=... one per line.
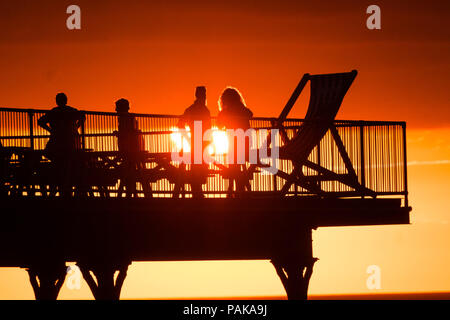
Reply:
x=234, y=114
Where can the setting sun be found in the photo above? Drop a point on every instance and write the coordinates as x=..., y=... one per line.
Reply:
x=180, y=141
x=220, y=141
x=218, y=146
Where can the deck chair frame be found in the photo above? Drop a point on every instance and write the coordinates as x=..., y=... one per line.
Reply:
x=312, y=183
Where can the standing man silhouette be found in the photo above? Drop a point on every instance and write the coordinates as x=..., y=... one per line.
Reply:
x=198, y=111
x=63, y=123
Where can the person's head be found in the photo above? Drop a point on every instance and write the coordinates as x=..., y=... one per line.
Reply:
x=200, y=93
x=122, y=105
x=230, y=97
x=61, y=99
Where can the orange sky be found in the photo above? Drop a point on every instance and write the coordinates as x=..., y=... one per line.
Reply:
x=155, y=54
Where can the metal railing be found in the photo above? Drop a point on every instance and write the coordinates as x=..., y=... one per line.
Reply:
x=377, y=150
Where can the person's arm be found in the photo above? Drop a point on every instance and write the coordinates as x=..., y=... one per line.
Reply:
x=43, y=122
x=135, y=125
x=81, y=119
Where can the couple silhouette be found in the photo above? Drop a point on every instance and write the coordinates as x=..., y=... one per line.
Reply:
x=233, y=114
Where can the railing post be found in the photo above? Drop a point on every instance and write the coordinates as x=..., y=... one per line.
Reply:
x=30, y=123
x=405, y=165
x=361, y=156
x=83, y=137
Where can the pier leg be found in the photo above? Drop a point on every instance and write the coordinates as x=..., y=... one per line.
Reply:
x=104, y=286
x=295, y=277
x=47, y=280
x=295, y=268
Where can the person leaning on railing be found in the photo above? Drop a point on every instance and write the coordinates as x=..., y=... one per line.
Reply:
x=63, y=123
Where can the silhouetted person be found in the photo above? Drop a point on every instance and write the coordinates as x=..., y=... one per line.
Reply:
x=63, y=123
x=198, y=111
x=130, y=146
x=234, y=114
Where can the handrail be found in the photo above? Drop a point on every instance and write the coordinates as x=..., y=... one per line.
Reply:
x=367, y=143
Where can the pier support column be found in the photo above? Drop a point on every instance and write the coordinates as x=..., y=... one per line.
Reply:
x=295, y=277
x=105, y=286
x=295, y=268
x=47, y=280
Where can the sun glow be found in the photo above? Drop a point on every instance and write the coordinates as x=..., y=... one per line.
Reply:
x=181, y=142
x=218, y=146
x=219, y=141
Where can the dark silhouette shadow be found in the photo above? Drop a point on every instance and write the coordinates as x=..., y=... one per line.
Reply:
x=198, y=174
x=131, y=145
x=63, y=123
x=46, y=279
x=101, y=280
x=234, y=114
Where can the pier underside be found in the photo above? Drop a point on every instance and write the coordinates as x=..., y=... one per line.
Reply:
x=105, y=235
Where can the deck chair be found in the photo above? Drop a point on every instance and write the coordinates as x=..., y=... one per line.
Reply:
x=327, y=93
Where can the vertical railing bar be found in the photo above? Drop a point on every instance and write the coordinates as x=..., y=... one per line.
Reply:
x=83, y=136
x=30, y=122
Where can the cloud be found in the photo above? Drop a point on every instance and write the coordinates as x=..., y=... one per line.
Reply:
x=431, y=221
x=428, y=163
